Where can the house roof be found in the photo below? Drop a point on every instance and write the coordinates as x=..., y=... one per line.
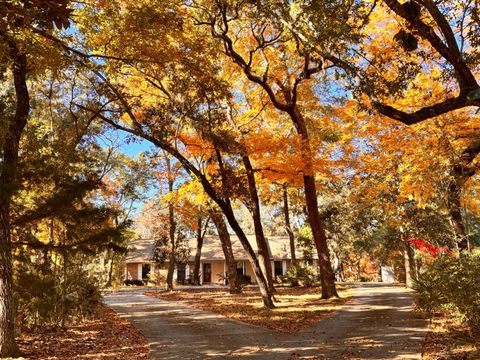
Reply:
x=141, y=250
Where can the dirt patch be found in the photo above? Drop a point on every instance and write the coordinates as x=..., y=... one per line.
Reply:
x=107, y=336
x=295, y=307
x=450, y=339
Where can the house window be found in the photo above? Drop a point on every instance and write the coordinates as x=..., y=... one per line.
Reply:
x=278, y=268
x=240, y=268
x=181, y=272
x=145, y=271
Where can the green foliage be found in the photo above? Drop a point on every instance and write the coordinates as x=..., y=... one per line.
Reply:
x=47, y=293
x=303, y=273
x=244, y=279
x=305, y=242
x=163, y=249
x=452, y=284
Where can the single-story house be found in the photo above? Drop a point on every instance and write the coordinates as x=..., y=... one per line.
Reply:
x=139, y=264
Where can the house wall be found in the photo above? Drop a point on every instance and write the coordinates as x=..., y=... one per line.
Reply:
x=249, y=271
x=132, y=271
x=158, y=274
x=217, y=268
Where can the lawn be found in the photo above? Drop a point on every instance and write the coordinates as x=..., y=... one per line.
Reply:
x=105, y=336
x=295, y=307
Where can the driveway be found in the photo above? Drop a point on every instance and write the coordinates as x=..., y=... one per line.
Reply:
x=378, y=323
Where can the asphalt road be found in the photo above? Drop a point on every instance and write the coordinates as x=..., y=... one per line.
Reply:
x=378, y=323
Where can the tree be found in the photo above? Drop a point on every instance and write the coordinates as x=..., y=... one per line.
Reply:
x=201, y=231
x=122, y=188
x=233, y=282
x=16, y=27
x=284, y=93
x=169, y=105
x=288, y=227
x=8, y=178
x=438, y=24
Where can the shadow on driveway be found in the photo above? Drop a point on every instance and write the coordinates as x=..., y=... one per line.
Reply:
x=377, y=324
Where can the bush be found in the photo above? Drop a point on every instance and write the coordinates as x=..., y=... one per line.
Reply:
x=134, y=282
x=157, y=278
x=451, y=284
x=244, y=279
x=43, y=297
x=302, y=273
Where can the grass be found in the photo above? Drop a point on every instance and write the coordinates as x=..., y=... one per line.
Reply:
x=450, y=339
x=295, y=307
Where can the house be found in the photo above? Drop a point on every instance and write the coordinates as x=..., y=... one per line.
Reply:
x=139, y=264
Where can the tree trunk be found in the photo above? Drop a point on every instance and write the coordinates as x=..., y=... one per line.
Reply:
x=227, y=210
x=198, y=254
x=288, y=227
x=461, y=172
x=455, y=210
x=327, y=275
x=409, y=261
x=219, y=221
x=262, y=245
x=171, y=228
x=8, y=178
x=46, y=266
x=252, y=258
x=110, y=271
x=64, y=313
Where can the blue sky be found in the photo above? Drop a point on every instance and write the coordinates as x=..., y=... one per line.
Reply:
x=134, y=148
x=128, y=144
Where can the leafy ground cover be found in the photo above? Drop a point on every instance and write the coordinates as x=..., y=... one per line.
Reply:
x=105, y=336
x=450, y=339
x=295, y=307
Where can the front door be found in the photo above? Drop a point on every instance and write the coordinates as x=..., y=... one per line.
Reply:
x=145, y=271
x=207, y=273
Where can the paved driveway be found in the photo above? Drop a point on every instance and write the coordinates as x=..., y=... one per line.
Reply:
x=377, y=324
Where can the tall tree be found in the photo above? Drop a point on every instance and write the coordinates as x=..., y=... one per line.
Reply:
x=177, y=96
x=171, y=225
x=219, y=221
x=16, y=27
x=8, y=179
x=201, y=231
x=288, y=226
x=283, y=90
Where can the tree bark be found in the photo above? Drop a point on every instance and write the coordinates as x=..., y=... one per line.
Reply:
x=252, y=258
x=455, y=210
x=288, y=227
x=262, y=245
x=171, y=228
x=198, y=254
x=8, y=179
x=110, y=271
x=446, y=45
x=227, y=210
x=409, y=261
x=327, y=275
x=461, y=172
x=219, y=221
